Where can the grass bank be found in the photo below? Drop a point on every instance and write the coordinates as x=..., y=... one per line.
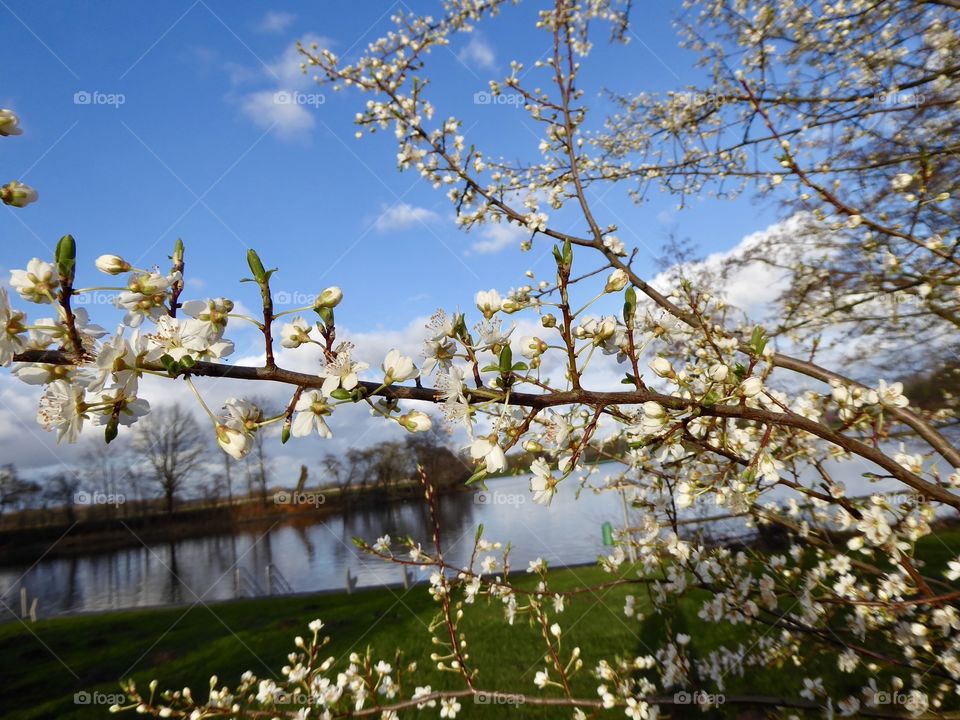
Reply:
x=47, y=663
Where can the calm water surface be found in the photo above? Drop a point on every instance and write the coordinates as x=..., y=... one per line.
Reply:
x=313, y=557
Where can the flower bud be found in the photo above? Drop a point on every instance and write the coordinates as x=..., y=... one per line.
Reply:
x=718, y=372
x=901, y=181
x=112, y=264
x=415, y=421
x=233, y=442
x=532, y=347
x=17, y=194
x=9, y=123
x=488, y=302
x=617, y=281
x=604, y=330
x=653, y=409
x=549, y=320
x=751, y=387
x=662, y=367
x=532, y=446
x=329, y=298
x=510, y=306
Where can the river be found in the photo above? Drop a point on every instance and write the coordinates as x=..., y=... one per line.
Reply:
x=305, y=557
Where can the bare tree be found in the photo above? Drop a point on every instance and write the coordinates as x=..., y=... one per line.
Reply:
x=15, y=492
x=62, y=489
x=171, y=443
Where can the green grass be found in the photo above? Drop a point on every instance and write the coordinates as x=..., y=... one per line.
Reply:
x=46, y=663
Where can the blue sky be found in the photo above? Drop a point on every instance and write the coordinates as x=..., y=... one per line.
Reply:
x=198, y=149
x=191, y=153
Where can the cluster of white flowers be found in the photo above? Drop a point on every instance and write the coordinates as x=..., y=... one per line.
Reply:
x=707, y=413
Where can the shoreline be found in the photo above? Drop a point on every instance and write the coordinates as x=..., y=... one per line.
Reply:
x=91, y=536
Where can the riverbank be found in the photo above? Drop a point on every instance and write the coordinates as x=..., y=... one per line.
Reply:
x=108, y=529
x=63, y=667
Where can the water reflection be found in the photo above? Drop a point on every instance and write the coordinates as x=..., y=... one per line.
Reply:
x=308, y=556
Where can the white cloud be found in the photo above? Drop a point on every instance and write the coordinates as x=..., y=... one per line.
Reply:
x=478, y=52
x=497, y=237
x=289, y=106
x=265, y=108
x=276, y=21
x=401, y=216
x=285, y=69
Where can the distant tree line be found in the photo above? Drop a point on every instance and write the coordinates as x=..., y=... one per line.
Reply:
x=165, y=462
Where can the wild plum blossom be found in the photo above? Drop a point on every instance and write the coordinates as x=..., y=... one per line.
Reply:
x=614, y=245
x=341, y=372
x=63, y=408
x=296, y=333
x=397, y=368
x=419, y=693
x=38, y=283
x=120, y=404
x=43, y=373
x=12, y=326
x=210, y=317
x=146, y=296
x=116, y=362
x=311, y=409
x=487, y=450
x=543, y=485
x=532, y=347
x=488, y=302
x=892, y=395
x=953, y=570
x=874, y=525
x=180, y=338
x=449, y=707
